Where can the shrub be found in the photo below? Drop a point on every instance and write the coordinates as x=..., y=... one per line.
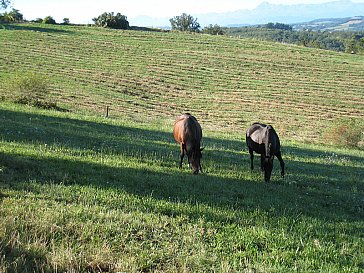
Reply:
x=213, y=30
x=346, y=132
x=28, y=88
x=37, y=20
x=110, y=20
x=49, y=20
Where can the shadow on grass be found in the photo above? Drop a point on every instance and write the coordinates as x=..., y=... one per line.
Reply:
x=35, y=27
x=328, y=192
x=317, y=190
x=22, y=260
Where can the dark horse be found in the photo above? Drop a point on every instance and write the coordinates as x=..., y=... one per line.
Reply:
x=188, y=133
x=264, y=140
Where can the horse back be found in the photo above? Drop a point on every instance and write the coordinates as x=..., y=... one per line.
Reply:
x=257, y=133
x=187, y=129
x=259, y=136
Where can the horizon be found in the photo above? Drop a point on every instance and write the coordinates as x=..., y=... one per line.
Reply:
x=159, y=10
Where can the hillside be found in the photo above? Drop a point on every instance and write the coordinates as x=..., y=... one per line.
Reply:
x=83, y=193
x=226, y=82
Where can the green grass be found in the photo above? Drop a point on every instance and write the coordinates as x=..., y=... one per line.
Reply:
x=83, y=193
x=89, y=194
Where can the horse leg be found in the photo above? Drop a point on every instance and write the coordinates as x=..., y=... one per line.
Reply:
x=251, y=158
x=182, y=154
x=279, y=156
x=262, y=162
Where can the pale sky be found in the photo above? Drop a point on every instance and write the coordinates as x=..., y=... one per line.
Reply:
x=82, y=11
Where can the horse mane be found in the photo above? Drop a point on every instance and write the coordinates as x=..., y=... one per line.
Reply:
x=183, y=116
x=272, y=139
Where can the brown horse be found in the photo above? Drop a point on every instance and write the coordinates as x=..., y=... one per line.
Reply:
x=263, y=139
x=188, y=133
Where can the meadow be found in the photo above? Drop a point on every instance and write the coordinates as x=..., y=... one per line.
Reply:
x=83, y=193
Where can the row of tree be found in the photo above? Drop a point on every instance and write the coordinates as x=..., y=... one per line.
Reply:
x=344, y=41
x=184, y=22
x=15, y=16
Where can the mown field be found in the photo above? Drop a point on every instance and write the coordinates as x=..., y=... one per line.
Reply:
x=83, y=193
x=226, y=82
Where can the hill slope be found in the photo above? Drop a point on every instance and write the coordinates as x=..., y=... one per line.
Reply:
x=226, y=82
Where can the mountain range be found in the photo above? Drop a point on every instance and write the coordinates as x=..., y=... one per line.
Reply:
x=266, y=12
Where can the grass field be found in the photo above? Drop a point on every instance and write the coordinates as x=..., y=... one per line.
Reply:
x=226, y=82
x=84, y=193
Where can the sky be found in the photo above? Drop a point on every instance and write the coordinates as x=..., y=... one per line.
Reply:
x=82, y=11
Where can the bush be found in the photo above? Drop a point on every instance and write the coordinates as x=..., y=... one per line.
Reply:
x=213, y=30
x=110, y=20
x=345, y=133
x=28, y=88
x=185, y=22
x=37, y=20
x=49, y=20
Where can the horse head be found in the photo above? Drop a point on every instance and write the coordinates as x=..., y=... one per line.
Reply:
x=268, y=167
x=194, y=158
x=269, y=156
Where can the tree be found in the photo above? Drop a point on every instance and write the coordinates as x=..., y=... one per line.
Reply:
x=66, y=21
x=110, y=20
x=213, y=29
x=49, y=20
x=185, y=22
x=4, y=4
x=13, y=16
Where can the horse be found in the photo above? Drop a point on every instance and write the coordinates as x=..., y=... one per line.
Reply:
x=188, y=133
x=263, y=139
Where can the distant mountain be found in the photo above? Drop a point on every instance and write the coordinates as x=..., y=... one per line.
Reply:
x=265, y=13
x=333, y=24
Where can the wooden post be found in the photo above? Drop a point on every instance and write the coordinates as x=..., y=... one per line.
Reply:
x=107, y=112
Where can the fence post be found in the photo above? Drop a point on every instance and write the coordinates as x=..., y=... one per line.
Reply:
x=107, y=112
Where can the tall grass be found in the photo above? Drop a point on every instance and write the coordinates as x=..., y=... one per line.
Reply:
x=345, y=132
x=29, y=88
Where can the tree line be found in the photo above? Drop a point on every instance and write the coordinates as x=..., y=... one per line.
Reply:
x=184, y=22
x=343, y=41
